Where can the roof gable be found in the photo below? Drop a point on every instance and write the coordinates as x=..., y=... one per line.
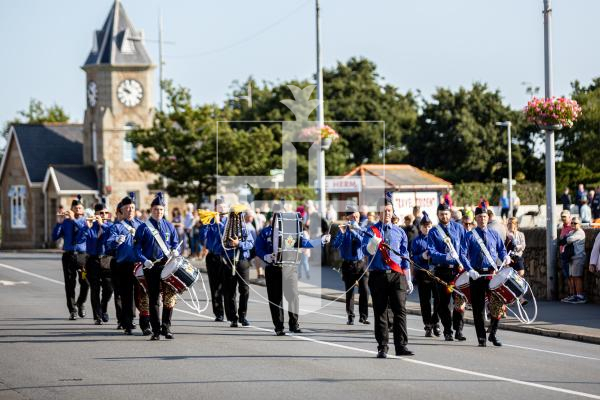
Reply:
x=398, y=176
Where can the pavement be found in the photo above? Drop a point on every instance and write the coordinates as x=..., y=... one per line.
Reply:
x=579, y=322
x=45, y=356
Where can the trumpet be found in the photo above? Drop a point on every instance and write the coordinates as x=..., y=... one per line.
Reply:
x=92, y=219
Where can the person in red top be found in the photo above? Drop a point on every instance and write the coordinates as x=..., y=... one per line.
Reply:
x=565, y=229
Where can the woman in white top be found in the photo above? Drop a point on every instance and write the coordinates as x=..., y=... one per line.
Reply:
x=595, y=256
x=515, y=244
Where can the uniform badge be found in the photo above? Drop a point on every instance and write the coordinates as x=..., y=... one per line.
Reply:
x=289, y=242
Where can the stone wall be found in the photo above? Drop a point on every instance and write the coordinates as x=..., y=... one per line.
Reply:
x=535, y=265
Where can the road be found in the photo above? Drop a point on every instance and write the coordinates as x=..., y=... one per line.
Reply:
x=45, y=356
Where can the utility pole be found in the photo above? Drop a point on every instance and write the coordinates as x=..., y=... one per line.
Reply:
x=320, y=111
x=551, y=235
x=161, y=61
x=508, y=124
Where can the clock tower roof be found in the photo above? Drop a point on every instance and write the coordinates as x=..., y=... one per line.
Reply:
x=118, y=42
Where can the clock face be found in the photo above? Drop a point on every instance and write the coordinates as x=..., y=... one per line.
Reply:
x=92, y=93
x=130, y=92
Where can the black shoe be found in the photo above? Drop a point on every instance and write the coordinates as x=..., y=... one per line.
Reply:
x=381, y=354
x=73, y=316
x=427, y=331
x=166, y=332
x=404, y=352
x=459, y=336
x=133, y=325
x=350, y=321
x=81, y=310
x=219, y=318
x=437, y=331
x=119, y=326
x=155, y=336
x=147, y=332
x=127, y=331
x=495, y=341
x=105, y=317
x=296, y=330
x=448, y=337
x=364, y=321
x=280, y=333
x=244, y=322
x=98, y=322
x=481, y=342
x=234, y=324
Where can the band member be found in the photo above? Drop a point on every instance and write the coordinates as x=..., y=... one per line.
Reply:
x=67, y=227
x=481, y=250
x=121, y=241
x=98, y=262
x=155, y=241
x=113, y=268
x=443, y=244
x=282, y=281
x=348, y=241
x=389, y=278
x=236, y=273
x=213, y=251
x=427, y=287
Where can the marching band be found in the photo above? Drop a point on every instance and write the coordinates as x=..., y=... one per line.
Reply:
x=140, y=263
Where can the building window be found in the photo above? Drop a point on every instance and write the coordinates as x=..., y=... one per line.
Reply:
x=18, y=207
x=129, y=150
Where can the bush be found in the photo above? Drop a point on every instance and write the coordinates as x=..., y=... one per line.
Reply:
x=470, y=192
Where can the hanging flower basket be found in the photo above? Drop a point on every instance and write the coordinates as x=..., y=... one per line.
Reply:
x=552, y=114
x=325, y=134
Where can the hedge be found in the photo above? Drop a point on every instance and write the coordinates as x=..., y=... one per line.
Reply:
x=470, y=192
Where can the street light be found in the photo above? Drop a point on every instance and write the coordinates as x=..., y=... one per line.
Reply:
x=508, y=124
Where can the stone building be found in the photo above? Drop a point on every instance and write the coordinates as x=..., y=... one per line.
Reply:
x=45, y=166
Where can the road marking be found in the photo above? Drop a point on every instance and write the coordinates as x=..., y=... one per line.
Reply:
x=328, y=315
x=13, y=283
x=31, y=274
x=425, y=363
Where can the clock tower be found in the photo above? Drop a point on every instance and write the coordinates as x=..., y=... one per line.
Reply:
x=119, y=78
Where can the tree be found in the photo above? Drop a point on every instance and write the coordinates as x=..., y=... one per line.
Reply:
x=457, y=138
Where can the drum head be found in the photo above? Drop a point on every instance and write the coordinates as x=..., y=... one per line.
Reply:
x=169, y=268
x=463, y=279
x=500, y=277
x=286, y=237
x=138, y=271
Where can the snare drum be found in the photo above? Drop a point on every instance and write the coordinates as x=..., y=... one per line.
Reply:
x=138, y=272
x=287, y=231
x=463, y=285
x=508, y=285
x=179, y=274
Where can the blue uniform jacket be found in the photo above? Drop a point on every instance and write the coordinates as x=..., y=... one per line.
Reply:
x=396, y=238
x=438, y=251
x=213, y=235
x=264, y=242
x=69, y=230
x=349, y=244
x=417, y=248
x=471, y=254
x=124, y=252
x=147, y=248
x=94, y=242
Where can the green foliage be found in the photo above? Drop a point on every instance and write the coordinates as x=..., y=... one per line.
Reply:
x=471, y=192
x=300, y=193
x=37, y=113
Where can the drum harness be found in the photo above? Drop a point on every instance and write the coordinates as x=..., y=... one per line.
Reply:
x=194, y=303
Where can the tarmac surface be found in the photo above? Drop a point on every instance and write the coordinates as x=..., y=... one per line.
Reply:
x=45, y=356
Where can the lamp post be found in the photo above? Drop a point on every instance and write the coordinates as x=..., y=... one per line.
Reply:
x=320, y=111
x=508, y=124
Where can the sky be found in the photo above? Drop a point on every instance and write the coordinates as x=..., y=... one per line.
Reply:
x=416, y=45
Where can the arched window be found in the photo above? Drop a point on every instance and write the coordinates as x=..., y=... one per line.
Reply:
x=129, y=151
x=18, y=206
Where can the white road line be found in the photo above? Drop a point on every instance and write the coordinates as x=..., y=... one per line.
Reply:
x=425, y=363
x=31, y=274
x=328, y=315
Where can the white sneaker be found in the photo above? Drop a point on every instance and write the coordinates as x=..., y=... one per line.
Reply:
x=568, y=299
x=580, y=300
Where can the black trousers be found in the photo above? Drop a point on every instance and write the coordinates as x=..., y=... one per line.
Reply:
x=282, y=282
x=479, y=289
x=231, y=281
x=427, y=290
x=153, y=282
x=116, y=293
x=352, y=271
x=214, y=268
x=447, y=275
x=389, y=288
x=73, y=265
x=100, y=279
x=125, y=285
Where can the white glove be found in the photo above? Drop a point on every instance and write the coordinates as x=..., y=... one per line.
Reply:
x=269, y=258
x=121, y=239
x=325, y=239
x=410, y=287
x=473, y=274
x=373, y=245
x=148, y=264
x=507, y=260
x=174, y=253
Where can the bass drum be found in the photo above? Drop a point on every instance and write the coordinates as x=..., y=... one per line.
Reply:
x=287, y=231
